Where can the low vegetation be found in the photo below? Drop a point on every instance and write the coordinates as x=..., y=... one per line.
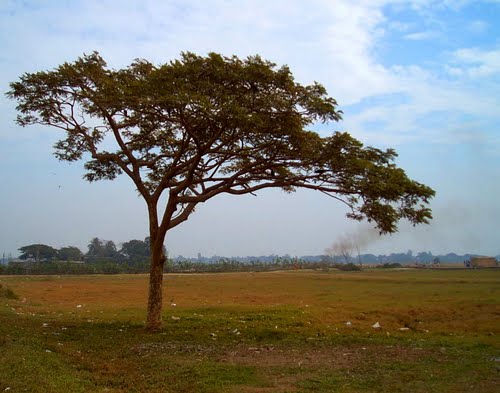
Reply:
x=7, y=293
x=390, y=266
x=103, y=266
x=376, y=330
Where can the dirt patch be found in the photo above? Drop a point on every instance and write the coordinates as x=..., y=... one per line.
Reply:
x=280, y=384
x=284, y=367
x=279, y=356
x=330, y=357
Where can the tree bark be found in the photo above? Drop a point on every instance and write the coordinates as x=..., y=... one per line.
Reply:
x=157, y=235
x=154, y=320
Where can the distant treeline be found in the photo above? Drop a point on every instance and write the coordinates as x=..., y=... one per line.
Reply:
x=135, y=267
x=106, y=266
x=98, y=250
x=63, y=267
x=103, y=257
x=364, y=259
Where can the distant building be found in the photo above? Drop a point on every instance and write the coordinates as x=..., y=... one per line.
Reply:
x=476, y=262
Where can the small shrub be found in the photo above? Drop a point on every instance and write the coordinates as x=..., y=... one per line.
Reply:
x=389, y=266
x=347, y=267
x=8, y=293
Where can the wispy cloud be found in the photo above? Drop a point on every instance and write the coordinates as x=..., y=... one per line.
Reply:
x=477, y=26
x=422, y=35
x=477, y=63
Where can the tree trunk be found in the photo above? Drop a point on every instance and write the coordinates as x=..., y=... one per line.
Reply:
x=155, y=299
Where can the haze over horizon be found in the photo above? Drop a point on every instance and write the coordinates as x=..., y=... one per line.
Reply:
x=420, y=76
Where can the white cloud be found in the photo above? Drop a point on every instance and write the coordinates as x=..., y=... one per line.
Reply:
x=398, y=26
x=336, y=43
x=477, y=26
x=432, y=113
x=426, y=5
x=478, y=63
x=422, y=35
x=348, y=42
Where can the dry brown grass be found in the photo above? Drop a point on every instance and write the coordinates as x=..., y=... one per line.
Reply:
x=443, y=301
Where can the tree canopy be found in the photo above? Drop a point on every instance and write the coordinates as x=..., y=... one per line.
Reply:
x=38, y=252
x=98, y=248
x=193, y=128
x=70, y=253
x=136, y=249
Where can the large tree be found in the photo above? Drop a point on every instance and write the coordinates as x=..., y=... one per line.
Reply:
x=101, y=249
x=194, y=128
x=70, y=253
x=95, y=248
x=136, y=249
x=38, y=252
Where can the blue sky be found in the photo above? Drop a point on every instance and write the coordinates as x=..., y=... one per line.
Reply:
x=420, y=76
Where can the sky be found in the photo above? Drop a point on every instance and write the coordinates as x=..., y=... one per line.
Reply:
x=421, y=76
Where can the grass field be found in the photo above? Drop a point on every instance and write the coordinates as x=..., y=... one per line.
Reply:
x=296, y=331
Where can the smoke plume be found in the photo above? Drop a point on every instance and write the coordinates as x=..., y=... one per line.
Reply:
x=354, y=242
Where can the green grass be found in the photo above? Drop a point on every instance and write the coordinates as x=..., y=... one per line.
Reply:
x=254, y=333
